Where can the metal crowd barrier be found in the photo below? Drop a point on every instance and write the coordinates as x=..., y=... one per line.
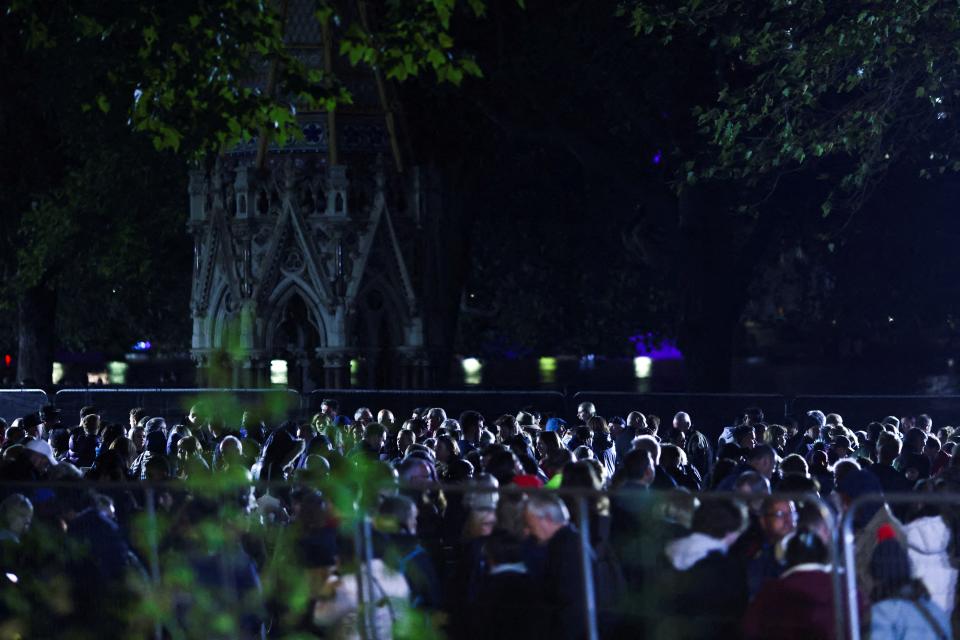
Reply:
x=363, y=547
x=15, y=403
x=921, y=505
x=860, y=410
x=711, y=412
x=276, y=405
x=402, y=402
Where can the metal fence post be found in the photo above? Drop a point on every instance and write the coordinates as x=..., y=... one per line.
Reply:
x=850, y=567
x=839, y=595
x=153, y=546
x=586, y=552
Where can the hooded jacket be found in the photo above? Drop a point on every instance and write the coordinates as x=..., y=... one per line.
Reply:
x=797, y=605
x=928, y=540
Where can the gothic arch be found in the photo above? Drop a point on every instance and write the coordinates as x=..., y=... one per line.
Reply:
x=378, y=325
x=280, y=299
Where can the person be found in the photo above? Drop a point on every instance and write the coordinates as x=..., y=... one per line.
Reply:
x=508, y=591
x=602, y=444
x=472, y=424
x=911, y=461
x=761, y=458
x=673, y=460
x=397, y=543
x=868, y=518
x=902, y=607
x=800, y=603
x=624, y=437
x=585, y=411
x=744, y=439
x=761, y=546
x=694, y=443
x=702, y=572
x=891, y=479
x=661, y=480
x=928, y=544
x=560, y=584
x=16, y=514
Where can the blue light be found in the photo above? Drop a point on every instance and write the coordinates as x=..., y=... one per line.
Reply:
x=143, y=345
x=658, y=156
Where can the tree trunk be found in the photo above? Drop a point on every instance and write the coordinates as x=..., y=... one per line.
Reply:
x=36, y=336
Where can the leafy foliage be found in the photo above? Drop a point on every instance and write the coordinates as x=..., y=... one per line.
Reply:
x=846, y=89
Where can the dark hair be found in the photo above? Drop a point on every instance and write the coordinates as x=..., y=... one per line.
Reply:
x=796, y=483
x=717, y=517
x=794, y=463
x=760, y=452
x=742, y=432
x=503, y=548
x=634, y=466
x=915, y=439
x=805, y=546
x=330, y=402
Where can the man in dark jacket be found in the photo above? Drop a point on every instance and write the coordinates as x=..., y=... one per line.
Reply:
x=704, y=593
x=563, y=581
x=694, y=444
x=507, y=606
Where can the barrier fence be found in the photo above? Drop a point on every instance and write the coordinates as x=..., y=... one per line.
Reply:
x=15, y=403
x=274, y=405
x=710, y=412
x=180, y=600
x=928, y=537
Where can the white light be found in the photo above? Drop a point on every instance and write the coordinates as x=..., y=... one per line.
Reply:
x=472, y=371
x=471, y=366
x=642, y=365
x=117, y=372
x=890, y=319
x=12, y=577
x=278, y=372
x=57, y=375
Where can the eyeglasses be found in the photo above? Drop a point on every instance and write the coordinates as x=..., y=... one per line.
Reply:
x=780, y=514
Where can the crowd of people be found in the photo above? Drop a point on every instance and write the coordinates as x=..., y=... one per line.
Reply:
x=478, y=528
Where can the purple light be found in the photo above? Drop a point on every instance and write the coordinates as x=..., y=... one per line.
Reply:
x=658, y=156
x=665, y=349
x=143, y=345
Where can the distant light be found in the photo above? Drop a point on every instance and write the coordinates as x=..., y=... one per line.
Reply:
x=354, y=372
x=57, y=375
x=548, y=370
x=890, y=319
x=97, y=377
x=642, y=366
x=472, y=371
x=12, y=577
x=143, y=345
x=657, y=157
x=7, y=360
x=117, y=372
x=278, y=372
x=471, y=366
x=950, y=362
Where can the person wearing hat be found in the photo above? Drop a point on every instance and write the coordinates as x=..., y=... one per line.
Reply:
x=840, y=447
x=868, y=518
x=40, y=456
x=902, y=607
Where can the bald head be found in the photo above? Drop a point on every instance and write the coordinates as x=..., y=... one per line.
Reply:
x=681, y=422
